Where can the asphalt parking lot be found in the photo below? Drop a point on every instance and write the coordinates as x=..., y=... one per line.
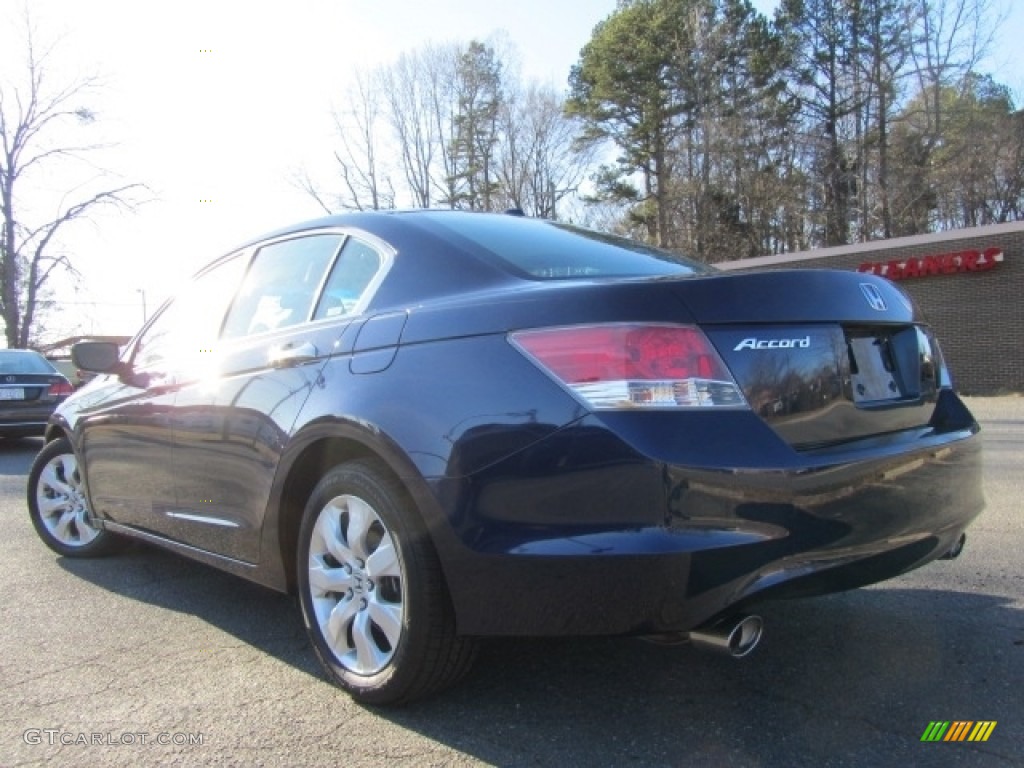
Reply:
x=149, y=659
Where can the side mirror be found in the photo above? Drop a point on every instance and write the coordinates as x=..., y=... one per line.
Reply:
x=96, y=356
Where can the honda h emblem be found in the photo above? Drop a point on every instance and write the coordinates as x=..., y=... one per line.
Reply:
x=874, y=296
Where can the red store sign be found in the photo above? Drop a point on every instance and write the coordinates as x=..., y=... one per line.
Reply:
x=944, y=264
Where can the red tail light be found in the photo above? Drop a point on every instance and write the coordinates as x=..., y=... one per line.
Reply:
x=634, y=365
x=60, y=389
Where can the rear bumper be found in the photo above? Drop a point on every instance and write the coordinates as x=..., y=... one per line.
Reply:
x=22, y=427
x=25, y=418
x=555, y=541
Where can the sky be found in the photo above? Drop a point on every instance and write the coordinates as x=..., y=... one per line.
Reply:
x=216, y=104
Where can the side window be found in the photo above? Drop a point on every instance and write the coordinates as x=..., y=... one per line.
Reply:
x=351, y=276
x=186, y=329
x=281, y=285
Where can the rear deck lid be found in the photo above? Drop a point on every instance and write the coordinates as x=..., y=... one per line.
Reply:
x=824, y=357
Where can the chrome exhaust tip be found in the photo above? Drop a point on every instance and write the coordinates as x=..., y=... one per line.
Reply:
x=734, y=636
x=956, y=549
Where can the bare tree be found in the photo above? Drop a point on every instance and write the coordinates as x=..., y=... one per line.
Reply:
x=415, y=97
x=463, y=134
x=408, y=91
x=358, y=123
x=33, y=112
x=951, y=38
x=539, y=163
x=884, y=58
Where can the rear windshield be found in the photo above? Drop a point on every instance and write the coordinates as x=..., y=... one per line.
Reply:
x=22, y=361
x=546, y=250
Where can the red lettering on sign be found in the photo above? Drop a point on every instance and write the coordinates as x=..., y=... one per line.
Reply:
x=989, y=259
x=932, y=266
x=941, y=264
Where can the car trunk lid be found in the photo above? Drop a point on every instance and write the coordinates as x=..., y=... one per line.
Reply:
x=824, y=357
x=26, y=388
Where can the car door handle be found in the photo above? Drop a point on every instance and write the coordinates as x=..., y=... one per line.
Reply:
x=292, y=354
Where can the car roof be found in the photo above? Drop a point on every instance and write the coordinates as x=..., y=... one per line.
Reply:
x=458, y=250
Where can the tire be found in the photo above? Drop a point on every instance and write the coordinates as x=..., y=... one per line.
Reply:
x=58, y=507
x=373, y=597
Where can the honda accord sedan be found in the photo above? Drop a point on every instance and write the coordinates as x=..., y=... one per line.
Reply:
x=438, y=426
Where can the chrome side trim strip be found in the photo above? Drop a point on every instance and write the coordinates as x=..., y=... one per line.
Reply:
x=202, y=519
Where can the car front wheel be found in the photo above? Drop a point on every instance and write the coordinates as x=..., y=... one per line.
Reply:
x=58, y=506
x=371, y=589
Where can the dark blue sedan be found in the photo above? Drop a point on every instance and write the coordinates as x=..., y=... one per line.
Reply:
x=440, y=426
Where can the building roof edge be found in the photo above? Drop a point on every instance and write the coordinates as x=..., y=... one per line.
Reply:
x=969, y=233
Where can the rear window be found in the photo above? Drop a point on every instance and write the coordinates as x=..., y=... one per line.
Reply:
x=546, y=250
x=19, y=361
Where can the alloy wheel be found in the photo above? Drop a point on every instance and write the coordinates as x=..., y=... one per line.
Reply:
x=356, y=585
x=63, y=508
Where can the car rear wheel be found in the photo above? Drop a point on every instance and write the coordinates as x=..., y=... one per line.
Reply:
x=59, y=509
x=371, y=589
